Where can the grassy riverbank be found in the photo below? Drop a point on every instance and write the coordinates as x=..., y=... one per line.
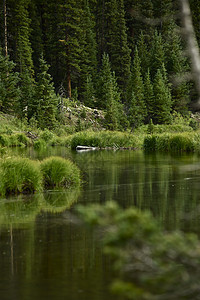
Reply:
x=180, y=136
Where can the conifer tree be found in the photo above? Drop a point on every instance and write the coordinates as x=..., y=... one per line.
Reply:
x=9, y=91
x=89, y=92
x=119, y=51
x=157, y=53
x=23, y=46
x=163, y=101
x=27, y=94
x=71, y=31
x=136, y=88
x=115, y=117
x=104, y=79
x=143, y=53
x=88, y=63
x=149, y=95
x=136, y=118
x=113, y=39
x=46, y=100
x=36, y=38
x=177, y=66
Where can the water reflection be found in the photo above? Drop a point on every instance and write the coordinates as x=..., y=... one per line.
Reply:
x=47, y=254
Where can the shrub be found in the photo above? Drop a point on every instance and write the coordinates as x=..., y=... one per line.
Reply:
x=22, y=138
x=40, y=144
x=19, y=175
x=148, y=262
x=58, y=172
x=46, y=135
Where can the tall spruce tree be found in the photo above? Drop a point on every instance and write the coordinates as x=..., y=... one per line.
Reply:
x=112, y=37
x=163, y=101
x=157, y=53
x=23, y=46
x=71, y=32
x=149, y=95
x=9, y=91
x=143, y=53
x=46, y=100
x=136, y=88
x=177, y=66
x=88, y=62
x=104, y=79
x=89, y=92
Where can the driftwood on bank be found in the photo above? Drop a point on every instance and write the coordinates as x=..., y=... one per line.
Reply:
x=85, y=148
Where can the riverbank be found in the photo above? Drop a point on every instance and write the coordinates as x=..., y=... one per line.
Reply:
x=181, y=136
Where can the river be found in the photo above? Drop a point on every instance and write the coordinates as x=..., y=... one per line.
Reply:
x=45, y=250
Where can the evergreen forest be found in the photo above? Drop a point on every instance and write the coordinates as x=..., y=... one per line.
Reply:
x=125, y=57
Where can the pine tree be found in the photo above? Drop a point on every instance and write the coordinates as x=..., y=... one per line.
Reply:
x=36, y=38
x=136, y=87
x=27, y=89
x=149, y=95
x=71, y=31
x=157, y=53
x=88, y=63
x=177, y=66
x=104, y=79
x=143, y=53
x=112, y=39
x=23, y=46
x=120, y=52
x=9, y=91
x=46, y=100
x=163, y=101
x=89, y=92
x=136, y=118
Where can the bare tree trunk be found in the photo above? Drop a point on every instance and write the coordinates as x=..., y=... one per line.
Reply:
x=69, y=89
x=5, y=28
x=193, y=49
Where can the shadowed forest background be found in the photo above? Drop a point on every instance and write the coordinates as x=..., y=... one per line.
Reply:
x=125, y=57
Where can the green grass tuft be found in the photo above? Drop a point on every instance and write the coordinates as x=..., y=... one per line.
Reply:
x=19, y=175
x=59, y=172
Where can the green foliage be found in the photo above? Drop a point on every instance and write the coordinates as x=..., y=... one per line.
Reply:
x=150, y=127
x=135, y=94
x=19, y=175
x=180, y=142
x=9, y=92
x=105, y=139
x=46, y=100
x=148, y=263
x=40, y=144
x=163, y=101
x=22, y=37
x=59, y=172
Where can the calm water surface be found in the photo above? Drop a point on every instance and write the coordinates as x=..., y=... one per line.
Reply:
x=47, y=253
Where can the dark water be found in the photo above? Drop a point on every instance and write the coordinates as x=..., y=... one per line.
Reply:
x=47, y=253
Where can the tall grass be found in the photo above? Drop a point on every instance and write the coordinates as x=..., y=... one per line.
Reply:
x=106, y=139
x=58, y=172
x=19, y=175
x=180, y=142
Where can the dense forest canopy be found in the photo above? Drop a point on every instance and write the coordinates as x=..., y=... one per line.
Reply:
x=123, y=56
